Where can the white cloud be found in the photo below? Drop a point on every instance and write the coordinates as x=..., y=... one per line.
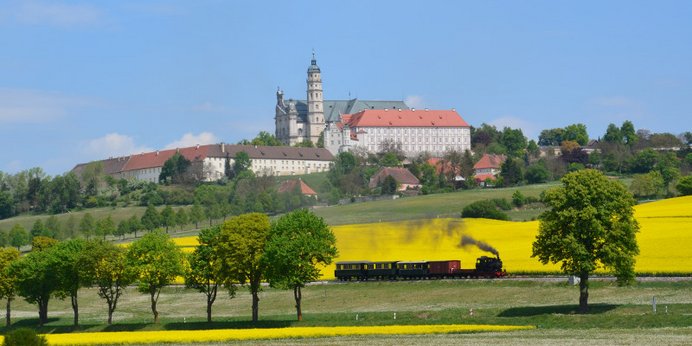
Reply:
x=189, y=140
x=414, y=101
x=528, y=128
x=35, y=106
x=113, y=144
x=57, y=14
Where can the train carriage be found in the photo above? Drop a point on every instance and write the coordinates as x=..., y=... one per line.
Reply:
x=349, y=270
x=443, y=269
x=412, y=269
x=382, y=270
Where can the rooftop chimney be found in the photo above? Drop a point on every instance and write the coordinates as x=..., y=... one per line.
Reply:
x=157, y=153
x=223, y=147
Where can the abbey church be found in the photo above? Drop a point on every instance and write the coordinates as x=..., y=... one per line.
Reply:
x=303, y=120
x=344, y=125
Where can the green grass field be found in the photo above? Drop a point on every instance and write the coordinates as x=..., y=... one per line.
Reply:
x=548, y=305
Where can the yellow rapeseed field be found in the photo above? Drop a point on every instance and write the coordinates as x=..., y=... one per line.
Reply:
x=664, y=240
x=220, y=335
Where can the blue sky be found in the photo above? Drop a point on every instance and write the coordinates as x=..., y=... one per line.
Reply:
x=85, y=80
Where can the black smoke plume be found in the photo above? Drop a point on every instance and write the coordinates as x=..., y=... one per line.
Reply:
x=467, y=241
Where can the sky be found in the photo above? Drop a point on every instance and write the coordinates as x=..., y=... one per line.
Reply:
x=88, y=80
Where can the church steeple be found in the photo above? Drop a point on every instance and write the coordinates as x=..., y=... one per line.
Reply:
x=315, y=101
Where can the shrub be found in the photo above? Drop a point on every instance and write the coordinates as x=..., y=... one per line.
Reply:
x=518, y=199
x=502, y=203
x=484, y=209
x=24, y=337
x=684, y=186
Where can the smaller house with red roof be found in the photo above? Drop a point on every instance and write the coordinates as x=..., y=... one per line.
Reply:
x=488, y=167
x=404, y=178
x=291, y=185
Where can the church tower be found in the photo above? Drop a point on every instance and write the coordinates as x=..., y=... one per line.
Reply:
x=315, y=119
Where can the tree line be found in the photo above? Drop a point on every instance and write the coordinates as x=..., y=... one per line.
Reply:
x=243, y=251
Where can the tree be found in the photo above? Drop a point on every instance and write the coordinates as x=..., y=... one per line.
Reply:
x=53, y=228
x=38, y=229
x=175, y=170
x=389, y=185
x=151, y=218
x=157, y=261
x=105, y=227
x=196, y=214
x=202, y=274
x=7, y=281
x=537, y=173
x=241, y=163
x=87, y=225
x=181, y=218
x=168, y=217
x=647, y=185
x=590, y=224
x=122, y=229
x=36, y=280
x=684, y=186
x=40, y=243
x=108, y=269
x=7, y=205
x=513, y=140
x=264, y=138
x=577, y=133
x=299, y=243
x=629, y=136
x=69, y=274
x=511, y=172
x=135, y=224
x=19, y=236
x=613, y=134
x=240, y=250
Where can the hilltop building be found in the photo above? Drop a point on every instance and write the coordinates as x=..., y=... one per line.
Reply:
x=488, y=167
x=211, y=159
x=304, y=120
x=370, y=125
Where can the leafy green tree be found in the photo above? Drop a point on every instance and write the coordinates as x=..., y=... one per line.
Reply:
x=69, y=227
x=240, y=250
x=241, y=163
x=533, y=149
x=537, y=173
x=684, y=186
x=646, y=185
x=168, y=217
x=644, y=161
x=105, y=227
x=4, y=238
x=389, y=185
x=7, y=280
x=202, y=274
x=514, y=140
x=69, y=274
x=629, y=135
x=181, y=218
x=196, y=214
x=36, y=280
x=24, y=337
x=87, y=225
x=7, y=205
x=264, y=138
x=135, y=224
x=175, y=170
x=157, y=261
x=53, y=228
x=122, y=229
x=518, y=199
x=577, y=133
x=589, y=224
x=613, y=134
x=19, y=236
x=107, y=267
x=511, y=172
x=299, y=243
x=151, y=218
x=39, y=229
x=40, y=243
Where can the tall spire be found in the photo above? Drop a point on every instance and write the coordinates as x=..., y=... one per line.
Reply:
x=313, y=64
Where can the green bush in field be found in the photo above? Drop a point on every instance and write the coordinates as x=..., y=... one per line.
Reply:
x=484, y=209
x=24, y=337
x=502, y=203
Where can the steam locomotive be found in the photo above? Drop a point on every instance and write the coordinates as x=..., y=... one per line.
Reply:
x=486, y=267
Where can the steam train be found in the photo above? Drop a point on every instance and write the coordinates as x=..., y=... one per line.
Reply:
x=486, y=267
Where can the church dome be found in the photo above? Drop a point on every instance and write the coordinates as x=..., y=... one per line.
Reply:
x=313, y=65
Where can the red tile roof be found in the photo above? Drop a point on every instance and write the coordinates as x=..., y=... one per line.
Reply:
x=401, y=175
x=159, y=157
x=490, y=161
x=405, y=118
x=290, y=185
